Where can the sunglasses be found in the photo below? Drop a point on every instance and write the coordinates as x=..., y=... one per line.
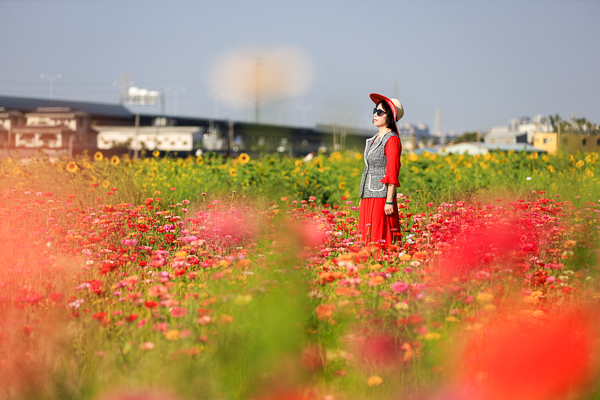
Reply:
x=378, y=111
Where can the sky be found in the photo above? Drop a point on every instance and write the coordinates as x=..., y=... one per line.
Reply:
x=480, y=62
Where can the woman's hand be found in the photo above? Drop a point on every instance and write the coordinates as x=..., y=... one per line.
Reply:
x=388, y=209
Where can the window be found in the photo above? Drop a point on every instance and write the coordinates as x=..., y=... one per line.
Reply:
x=48, y=140
x=598, y=142
x=583, y=142
x=545, y=140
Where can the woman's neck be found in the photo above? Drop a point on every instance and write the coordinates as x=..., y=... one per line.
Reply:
x=383, y=130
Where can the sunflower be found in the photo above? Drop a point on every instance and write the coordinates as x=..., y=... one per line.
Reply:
x=342, y=185
x=98, y=156
x=16, y=170
x=233, y=172
x=199, y=160
x=72, y=166
x=115, y=160
x=105, y=184
x=243, y=158
x=87, y=165
x=156, y=153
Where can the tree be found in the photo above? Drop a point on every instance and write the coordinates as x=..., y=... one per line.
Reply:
x=468, y=137
x=579, y=125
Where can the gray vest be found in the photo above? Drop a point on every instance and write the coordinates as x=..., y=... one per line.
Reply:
x=375, y=168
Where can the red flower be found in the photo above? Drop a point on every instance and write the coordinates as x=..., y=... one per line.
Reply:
x=132, y=317
x=142, y=228
x=99, y=316
x=150, y=304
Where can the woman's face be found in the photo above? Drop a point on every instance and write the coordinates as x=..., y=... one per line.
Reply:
x=380, y=121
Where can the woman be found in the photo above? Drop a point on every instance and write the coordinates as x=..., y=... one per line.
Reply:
x=378, y=219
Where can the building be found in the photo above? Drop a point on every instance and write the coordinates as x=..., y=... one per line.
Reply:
x=8, y=120
x=55, y=131
x=504, y=135
x=415, y=136
x=519, y=130
x=464, y=148
x=162, y=138
x=546, y=141
x=472, y=148
x=573, y=142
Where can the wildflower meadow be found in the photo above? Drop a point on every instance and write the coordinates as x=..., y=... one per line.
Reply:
x=245, y=278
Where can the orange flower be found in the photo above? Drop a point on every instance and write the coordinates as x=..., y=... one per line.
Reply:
x=325, y=311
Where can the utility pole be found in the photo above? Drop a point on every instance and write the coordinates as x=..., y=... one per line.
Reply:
x=438, y=126
x=137, y=136
x=478, y=135
x=257, y=93
x=124, y=88
x=51, y=78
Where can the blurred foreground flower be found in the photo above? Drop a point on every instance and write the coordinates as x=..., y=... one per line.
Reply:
x=523, y=358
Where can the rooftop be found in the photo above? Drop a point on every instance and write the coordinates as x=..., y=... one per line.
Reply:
x=24, y=104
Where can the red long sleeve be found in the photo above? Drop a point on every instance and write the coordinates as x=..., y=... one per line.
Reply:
x=393, y=148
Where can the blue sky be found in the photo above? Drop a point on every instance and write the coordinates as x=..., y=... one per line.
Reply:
x=481, y=62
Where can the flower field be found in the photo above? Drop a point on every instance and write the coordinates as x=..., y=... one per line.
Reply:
x=211, y=278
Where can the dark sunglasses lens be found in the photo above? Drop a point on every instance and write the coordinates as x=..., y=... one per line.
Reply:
x=378, y=112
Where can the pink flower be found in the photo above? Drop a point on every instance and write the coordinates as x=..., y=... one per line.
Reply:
x=162, y=327
x=179, y=312
x=429, y=204
x=401, y=287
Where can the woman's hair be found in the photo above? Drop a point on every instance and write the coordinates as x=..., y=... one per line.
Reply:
x=389, y=116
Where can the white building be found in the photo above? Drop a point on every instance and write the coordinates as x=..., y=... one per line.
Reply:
x=163, y=138
x=464, y=148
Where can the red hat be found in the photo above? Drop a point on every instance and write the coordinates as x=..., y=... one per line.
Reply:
x=394, y=105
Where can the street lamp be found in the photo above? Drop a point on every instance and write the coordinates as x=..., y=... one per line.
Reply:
x=51, y=78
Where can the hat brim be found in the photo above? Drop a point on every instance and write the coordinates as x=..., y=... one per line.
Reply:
x=379, y=97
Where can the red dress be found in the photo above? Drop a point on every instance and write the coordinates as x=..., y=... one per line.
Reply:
x=372, y=221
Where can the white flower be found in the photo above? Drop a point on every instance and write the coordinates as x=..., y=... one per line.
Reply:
x=528, y=178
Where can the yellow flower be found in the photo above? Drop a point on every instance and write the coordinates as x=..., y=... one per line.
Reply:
x=87, y=165
x=413, y=157
x=432, y=336
x=374, y=380
x=98, y=156
x=357, y=156
x=342, y=185
x=72, y=167
x=550, y=168
x=485, y=297
x=173, y=334
x=156, y=153
x=233, y=172
x=199, y=160
x=452, y=319
x=16, y=170
x=580, y=163
x=243, y=158
x=105, y=184
x=115, y=160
